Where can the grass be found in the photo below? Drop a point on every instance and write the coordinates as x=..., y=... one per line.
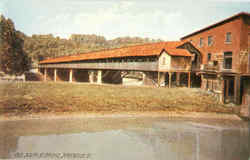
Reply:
x=33, y=98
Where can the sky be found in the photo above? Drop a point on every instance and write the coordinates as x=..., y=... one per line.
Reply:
x=159, y=19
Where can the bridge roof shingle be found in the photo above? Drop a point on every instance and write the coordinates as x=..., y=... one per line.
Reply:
x=153, y=49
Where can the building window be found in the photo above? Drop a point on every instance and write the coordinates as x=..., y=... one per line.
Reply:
x=209, y=57
x=163, y=61
x=201, y=42
x=228, y=37
x=228, y=60
x=209, y=40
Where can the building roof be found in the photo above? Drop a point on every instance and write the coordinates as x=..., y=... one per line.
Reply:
x=153, y=49
x=217, y=24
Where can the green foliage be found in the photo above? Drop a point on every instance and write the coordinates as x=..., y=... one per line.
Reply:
x=41, y=47
x=13, y=59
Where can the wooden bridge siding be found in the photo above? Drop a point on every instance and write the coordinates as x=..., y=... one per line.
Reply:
x=138, y=66
x=181, y=63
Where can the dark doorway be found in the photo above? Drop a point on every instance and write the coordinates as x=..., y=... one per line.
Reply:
x=229, y=90
x=195, y=80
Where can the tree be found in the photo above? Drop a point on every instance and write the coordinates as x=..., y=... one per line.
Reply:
x=13, y=59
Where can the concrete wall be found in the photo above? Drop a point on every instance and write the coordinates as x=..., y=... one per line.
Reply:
x=211, y=83
x=215, y=84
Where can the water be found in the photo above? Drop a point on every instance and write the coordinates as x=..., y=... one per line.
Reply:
x=126, y=138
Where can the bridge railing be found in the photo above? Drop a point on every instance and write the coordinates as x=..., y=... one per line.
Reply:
x=143, y=66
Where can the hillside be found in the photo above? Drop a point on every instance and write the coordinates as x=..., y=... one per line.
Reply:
x=40, y=47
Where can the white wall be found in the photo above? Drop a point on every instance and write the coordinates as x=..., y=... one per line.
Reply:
x=164, y=61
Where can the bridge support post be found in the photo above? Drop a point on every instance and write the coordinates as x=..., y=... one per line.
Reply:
x=158, y=78
x=45, y=74
x=189, y=79
x=170, y=80
x=178, y=75
x=143, y=77
x=55, y=74
x=99, y=76
x=222, y=96
x=70, y=75
x=91, y=76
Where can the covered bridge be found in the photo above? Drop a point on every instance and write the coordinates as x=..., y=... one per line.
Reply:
x=160, y=63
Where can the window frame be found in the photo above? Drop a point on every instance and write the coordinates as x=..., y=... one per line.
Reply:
x=201, y=42
x=227, y=58
x=228, y=38
x=210, y=40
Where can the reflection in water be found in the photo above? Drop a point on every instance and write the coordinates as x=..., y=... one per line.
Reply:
x=128, y=138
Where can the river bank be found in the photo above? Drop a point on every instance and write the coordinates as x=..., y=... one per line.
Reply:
x=40, y=100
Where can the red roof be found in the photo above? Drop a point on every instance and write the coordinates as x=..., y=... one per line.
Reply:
x=153, y=49
x=217, y=24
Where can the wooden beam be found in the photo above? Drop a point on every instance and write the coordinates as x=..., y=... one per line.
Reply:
x=158, y=78
x=189, y=79
x=138, y=66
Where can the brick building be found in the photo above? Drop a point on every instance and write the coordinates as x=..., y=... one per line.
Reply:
x=225, y=60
